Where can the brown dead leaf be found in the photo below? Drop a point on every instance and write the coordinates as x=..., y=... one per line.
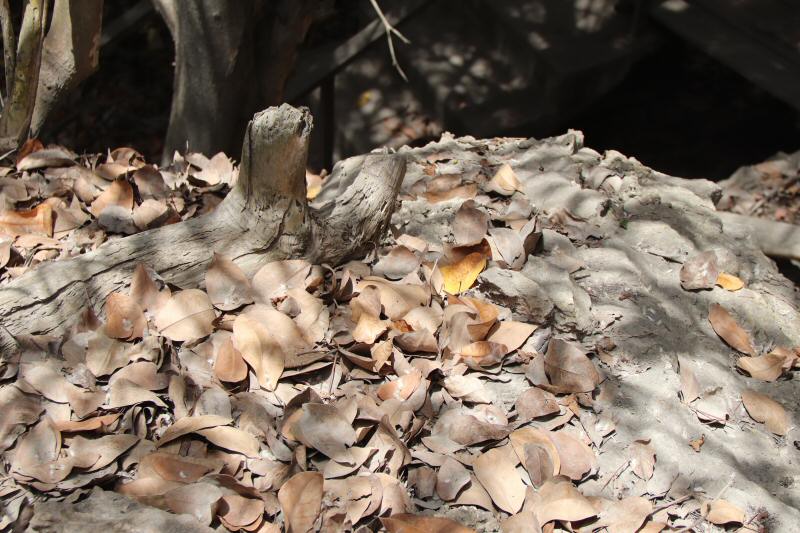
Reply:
x=729, y=282
x=173, y=467
x=226, y=284
x=190, y=424
x=143, y=373
x=450, y=479
x=123, y=393
x=301, y=501
x=237, y=512
x=466, y=192
x=274, y=279
x=690, y=387
x=233, y=439
x=625, y=515
x=467, y=388
x=568, y=368
x=504, y=181
x=119, y=193
x=38, y=221
x=762, y=408
x=535, y=403
x=229, y=365
x=470, y=224
x=499, y=477
x=259, y=349
x=643, y=458
x=197, y=499
x=19, y=410
x=522, y=522
x=396, y=298
x=729, y=330
x=767, y=367
x=369, y=328
x=151, y=214
x=577, y=458
x=188, y=315
x=461, y=275
x=400, y=388
x=314, y=317
x=700, y=271
x=721, y=512
x=144, y=290
x=697, y=443
x=560, y=500
x=409, y=523
x=482, y=353
x=511, y=334
x=102, y=422
x=323, y=428
x=125, y=319
x=397, y=263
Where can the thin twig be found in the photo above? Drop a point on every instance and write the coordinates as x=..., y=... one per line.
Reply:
x=333, y=372
x=667, y=505
x=387, y=26
x=616, y=474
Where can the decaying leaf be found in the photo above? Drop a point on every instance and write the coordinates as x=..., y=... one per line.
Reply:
x=238, y=512
x=560, y=500
x=764, y=409
x=568, y=368
x=721, y=512
x=729, y=282
x=301, y=500
x=188, y=315
x=459, y=276
x=125, y=318
x=729, y=330
x=226, y=284
x=498, y=475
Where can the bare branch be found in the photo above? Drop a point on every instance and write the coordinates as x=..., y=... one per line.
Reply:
x=389, y=31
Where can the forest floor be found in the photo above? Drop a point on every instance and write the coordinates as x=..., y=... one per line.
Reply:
x=549, y=339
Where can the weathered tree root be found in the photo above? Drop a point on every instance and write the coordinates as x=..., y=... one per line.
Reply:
x=264, y=218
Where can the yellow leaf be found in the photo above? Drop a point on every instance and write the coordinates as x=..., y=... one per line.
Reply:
x=460, y=276
x=729, y=282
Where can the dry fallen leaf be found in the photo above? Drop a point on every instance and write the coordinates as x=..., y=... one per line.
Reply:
x=125, y=318
x=535, y=403
x=560, y=500
x=229, y=366
x=643, y=458
x=275, y=278
x=459, y=276
x=511, y=334
x=690, y=387
x=190, y=424
x=322, y=427
x=729, y=282
x=188, y=315
x=38, y=221
x=498, y=475
x=721, y=512
x=700, y=271
x=469, y=224
x=766, y=367
x=237, y=512
x=697, y=443
x=522, y=522
x=409, y=523
x=197, y=499
x=625, y=515
x=577, y=459
x=729, y=330
x=233, y=439
x=259, y=349
x=301, y=500
x=119, y=193
x=568, y=367
x=764, y=409
x=504, y=181
x=450, y=479
x=226, y=284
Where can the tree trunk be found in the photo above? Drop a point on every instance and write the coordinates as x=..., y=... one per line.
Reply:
x=264, y=218
x=231, y=59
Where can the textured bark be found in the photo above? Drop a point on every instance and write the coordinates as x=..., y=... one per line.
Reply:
x=264, y=218
x=16, y=119
x=231, y=59
x=70, y=53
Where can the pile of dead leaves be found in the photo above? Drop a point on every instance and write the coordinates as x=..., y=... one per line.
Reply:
x=369, y=395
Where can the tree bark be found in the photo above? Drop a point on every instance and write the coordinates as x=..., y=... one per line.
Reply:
x=231, y=59
x=264, y=218
x=70, y=54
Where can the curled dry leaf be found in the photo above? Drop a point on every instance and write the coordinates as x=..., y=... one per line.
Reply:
x=643, y=458
x=259, y=349
x=237, y=512
x=467, y=388
x=721, y=512
x=483, y=353
x=560, y=500
x=535, y=403
x=322, y=427
x=314, y=318
x=498, y=475
x=190, y=424
x=226, y=284
x=397, y=263
x=369, y=328
x=229, y=366
x=764, y=409
x=274, y=279
x=767, y=367
x=450, y=479
x=400, y=388
x=233, y=439
x=504, y=181
x=409, y=523
x=729, y=330
x=729, y=282
x=301, y=501
x=700, y=271
x=461, y=275
x=188, y=315
x=511, y=334
x=119, y=193
x=125, y=318
x=396, y=298
x=469, y=224
x=568, y=368
x=37, y=221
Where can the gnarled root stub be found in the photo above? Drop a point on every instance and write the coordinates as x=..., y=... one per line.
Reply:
x=264, y=218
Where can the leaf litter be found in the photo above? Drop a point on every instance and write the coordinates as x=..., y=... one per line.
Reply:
x=325, y=400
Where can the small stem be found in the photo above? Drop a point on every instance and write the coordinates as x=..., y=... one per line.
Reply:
x=389, y=31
